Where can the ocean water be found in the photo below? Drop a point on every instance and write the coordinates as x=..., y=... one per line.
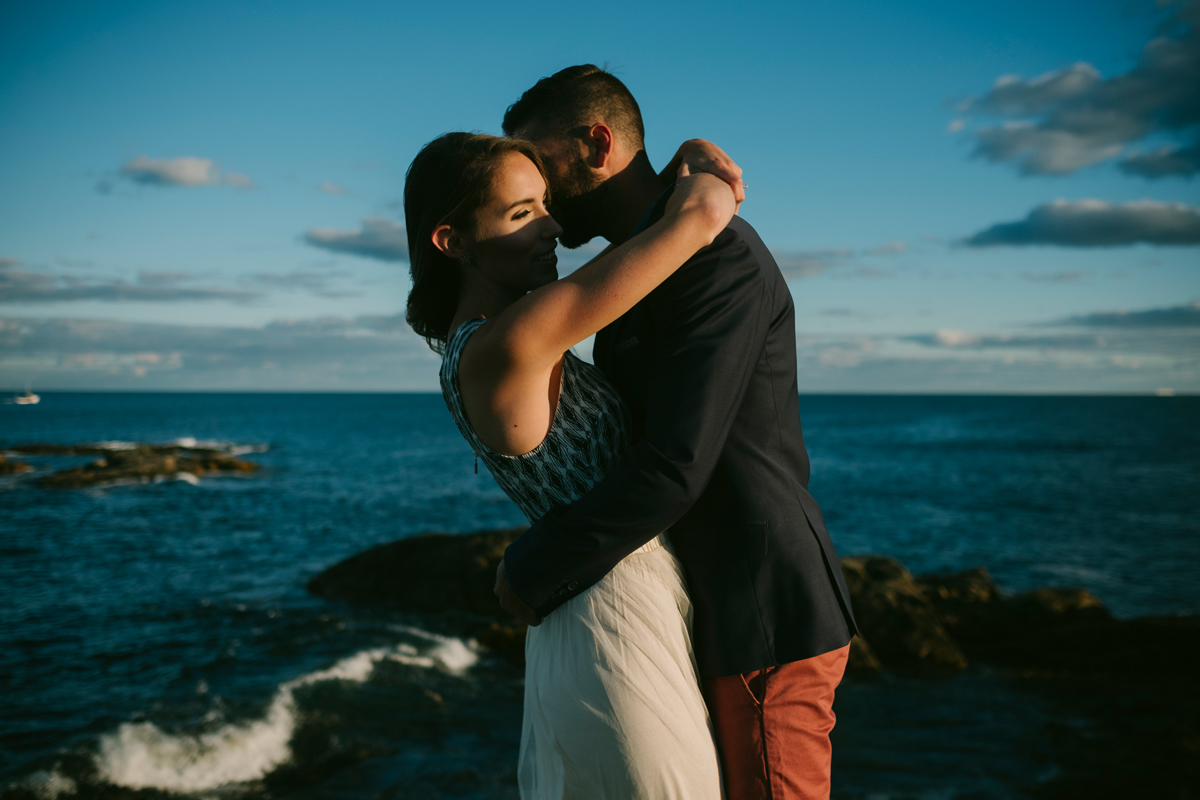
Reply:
x=156, y=639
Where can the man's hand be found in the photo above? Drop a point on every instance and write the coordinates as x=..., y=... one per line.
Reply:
x=699, y=155
x=510, y=602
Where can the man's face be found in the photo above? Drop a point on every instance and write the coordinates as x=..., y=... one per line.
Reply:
x=575, y=189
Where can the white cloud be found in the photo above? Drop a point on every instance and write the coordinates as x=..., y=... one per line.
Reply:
x=1163, y=161
x=237, y=180
x=183, y=171
x=1062, y=276
x=1134, y=351
x=838, y=261
x=378, y=237
x=1094, y=352
x=332, y=188
x=1071, y=118
x=367, y=352
x=1096, y=223
x=25, y=286
x=889, y=249
x=162, y=277
x=1045, y=151
x=1011, y=95
x=796, y=264
x=847, y=354
x=1185, y=316
x=313, y=281
x=953, y=338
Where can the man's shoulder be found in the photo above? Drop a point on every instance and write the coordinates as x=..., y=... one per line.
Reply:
x=742, y=234
x=736, y=267
x=737, y=251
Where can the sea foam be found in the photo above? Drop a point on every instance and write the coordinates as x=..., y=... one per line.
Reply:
x=47, y=785
x=140, y=755
x=232, y=448
x=189, y=442
x=448, y=653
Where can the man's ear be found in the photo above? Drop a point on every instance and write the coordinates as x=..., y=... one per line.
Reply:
x=600, y=141
x=446, y=240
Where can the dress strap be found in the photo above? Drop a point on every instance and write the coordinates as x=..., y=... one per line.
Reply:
x=449, y=381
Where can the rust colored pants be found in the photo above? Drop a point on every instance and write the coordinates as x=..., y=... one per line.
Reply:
x=773, y=728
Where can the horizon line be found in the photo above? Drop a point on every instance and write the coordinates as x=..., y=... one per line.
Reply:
x=833, y=393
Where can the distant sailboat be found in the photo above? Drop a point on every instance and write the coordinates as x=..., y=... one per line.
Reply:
x=27, y=399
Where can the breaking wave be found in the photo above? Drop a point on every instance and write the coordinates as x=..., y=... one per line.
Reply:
x=47, y=785
x=140, y=755
x=232, y=448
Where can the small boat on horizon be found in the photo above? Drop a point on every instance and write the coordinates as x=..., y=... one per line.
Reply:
x=27, y=399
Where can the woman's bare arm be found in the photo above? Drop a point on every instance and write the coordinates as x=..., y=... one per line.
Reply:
x=534, y=332
x=508, y=372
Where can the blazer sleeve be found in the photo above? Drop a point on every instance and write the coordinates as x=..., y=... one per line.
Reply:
x=711, y=321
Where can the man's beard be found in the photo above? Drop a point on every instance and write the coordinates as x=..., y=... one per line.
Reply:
x=575, y=204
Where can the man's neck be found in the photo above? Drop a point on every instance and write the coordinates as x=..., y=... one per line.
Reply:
x=628, y=196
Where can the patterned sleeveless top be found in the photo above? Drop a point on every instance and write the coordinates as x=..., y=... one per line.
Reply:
x=591, y=429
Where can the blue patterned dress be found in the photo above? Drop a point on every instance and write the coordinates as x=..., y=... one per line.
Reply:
x=613, y=707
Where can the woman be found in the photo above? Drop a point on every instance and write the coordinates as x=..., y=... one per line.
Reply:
x=612, y=698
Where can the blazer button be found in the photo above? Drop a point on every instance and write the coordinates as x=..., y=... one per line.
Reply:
x=572, y=586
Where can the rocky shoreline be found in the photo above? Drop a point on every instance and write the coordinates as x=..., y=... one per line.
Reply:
x=141, y=463
x=924, y=626
x=10, y=467
x=1134, y=680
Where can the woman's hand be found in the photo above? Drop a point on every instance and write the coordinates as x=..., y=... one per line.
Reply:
x=699, y=155
x=702, y=199
x=509, y=600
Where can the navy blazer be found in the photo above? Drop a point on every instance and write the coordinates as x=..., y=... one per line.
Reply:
x=707, y=364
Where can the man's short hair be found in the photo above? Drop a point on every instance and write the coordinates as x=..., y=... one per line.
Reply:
x=577, y=96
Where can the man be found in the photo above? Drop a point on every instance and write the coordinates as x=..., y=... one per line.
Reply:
x=707, y=364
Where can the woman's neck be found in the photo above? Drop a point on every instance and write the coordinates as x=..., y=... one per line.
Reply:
x=479, y=299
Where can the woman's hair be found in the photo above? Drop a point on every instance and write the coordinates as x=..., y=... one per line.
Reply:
x=446, y=183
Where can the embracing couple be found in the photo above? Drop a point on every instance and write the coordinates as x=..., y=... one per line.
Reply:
x=690, y=619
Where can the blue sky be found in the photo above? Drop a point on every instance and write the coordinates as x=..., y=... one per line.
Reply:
x=994, y=196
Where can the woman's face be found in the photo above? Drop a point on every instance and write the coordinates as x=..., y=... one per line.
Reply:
x=515, y=236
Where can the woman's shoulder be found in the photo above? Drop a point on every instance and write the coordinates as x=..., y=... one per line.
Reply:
x=452, y=353
x=458, y=336
x=456, y=342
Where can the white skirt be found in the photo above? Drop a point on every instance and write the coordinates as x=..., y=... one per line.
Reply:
x=613, y=707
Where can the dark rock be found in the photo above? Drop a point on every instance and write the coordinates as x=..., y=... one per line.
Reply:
x=505, y=638
x=43, y=449
x=146, y=463
x=1150, y=647
x=972, y=587
x=987, y=624
x=1071, y=606
x=896, y=619
x=862, y=662
x=8, y=467
x=1133, y=681
x=926, y=626
x=433, y=572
